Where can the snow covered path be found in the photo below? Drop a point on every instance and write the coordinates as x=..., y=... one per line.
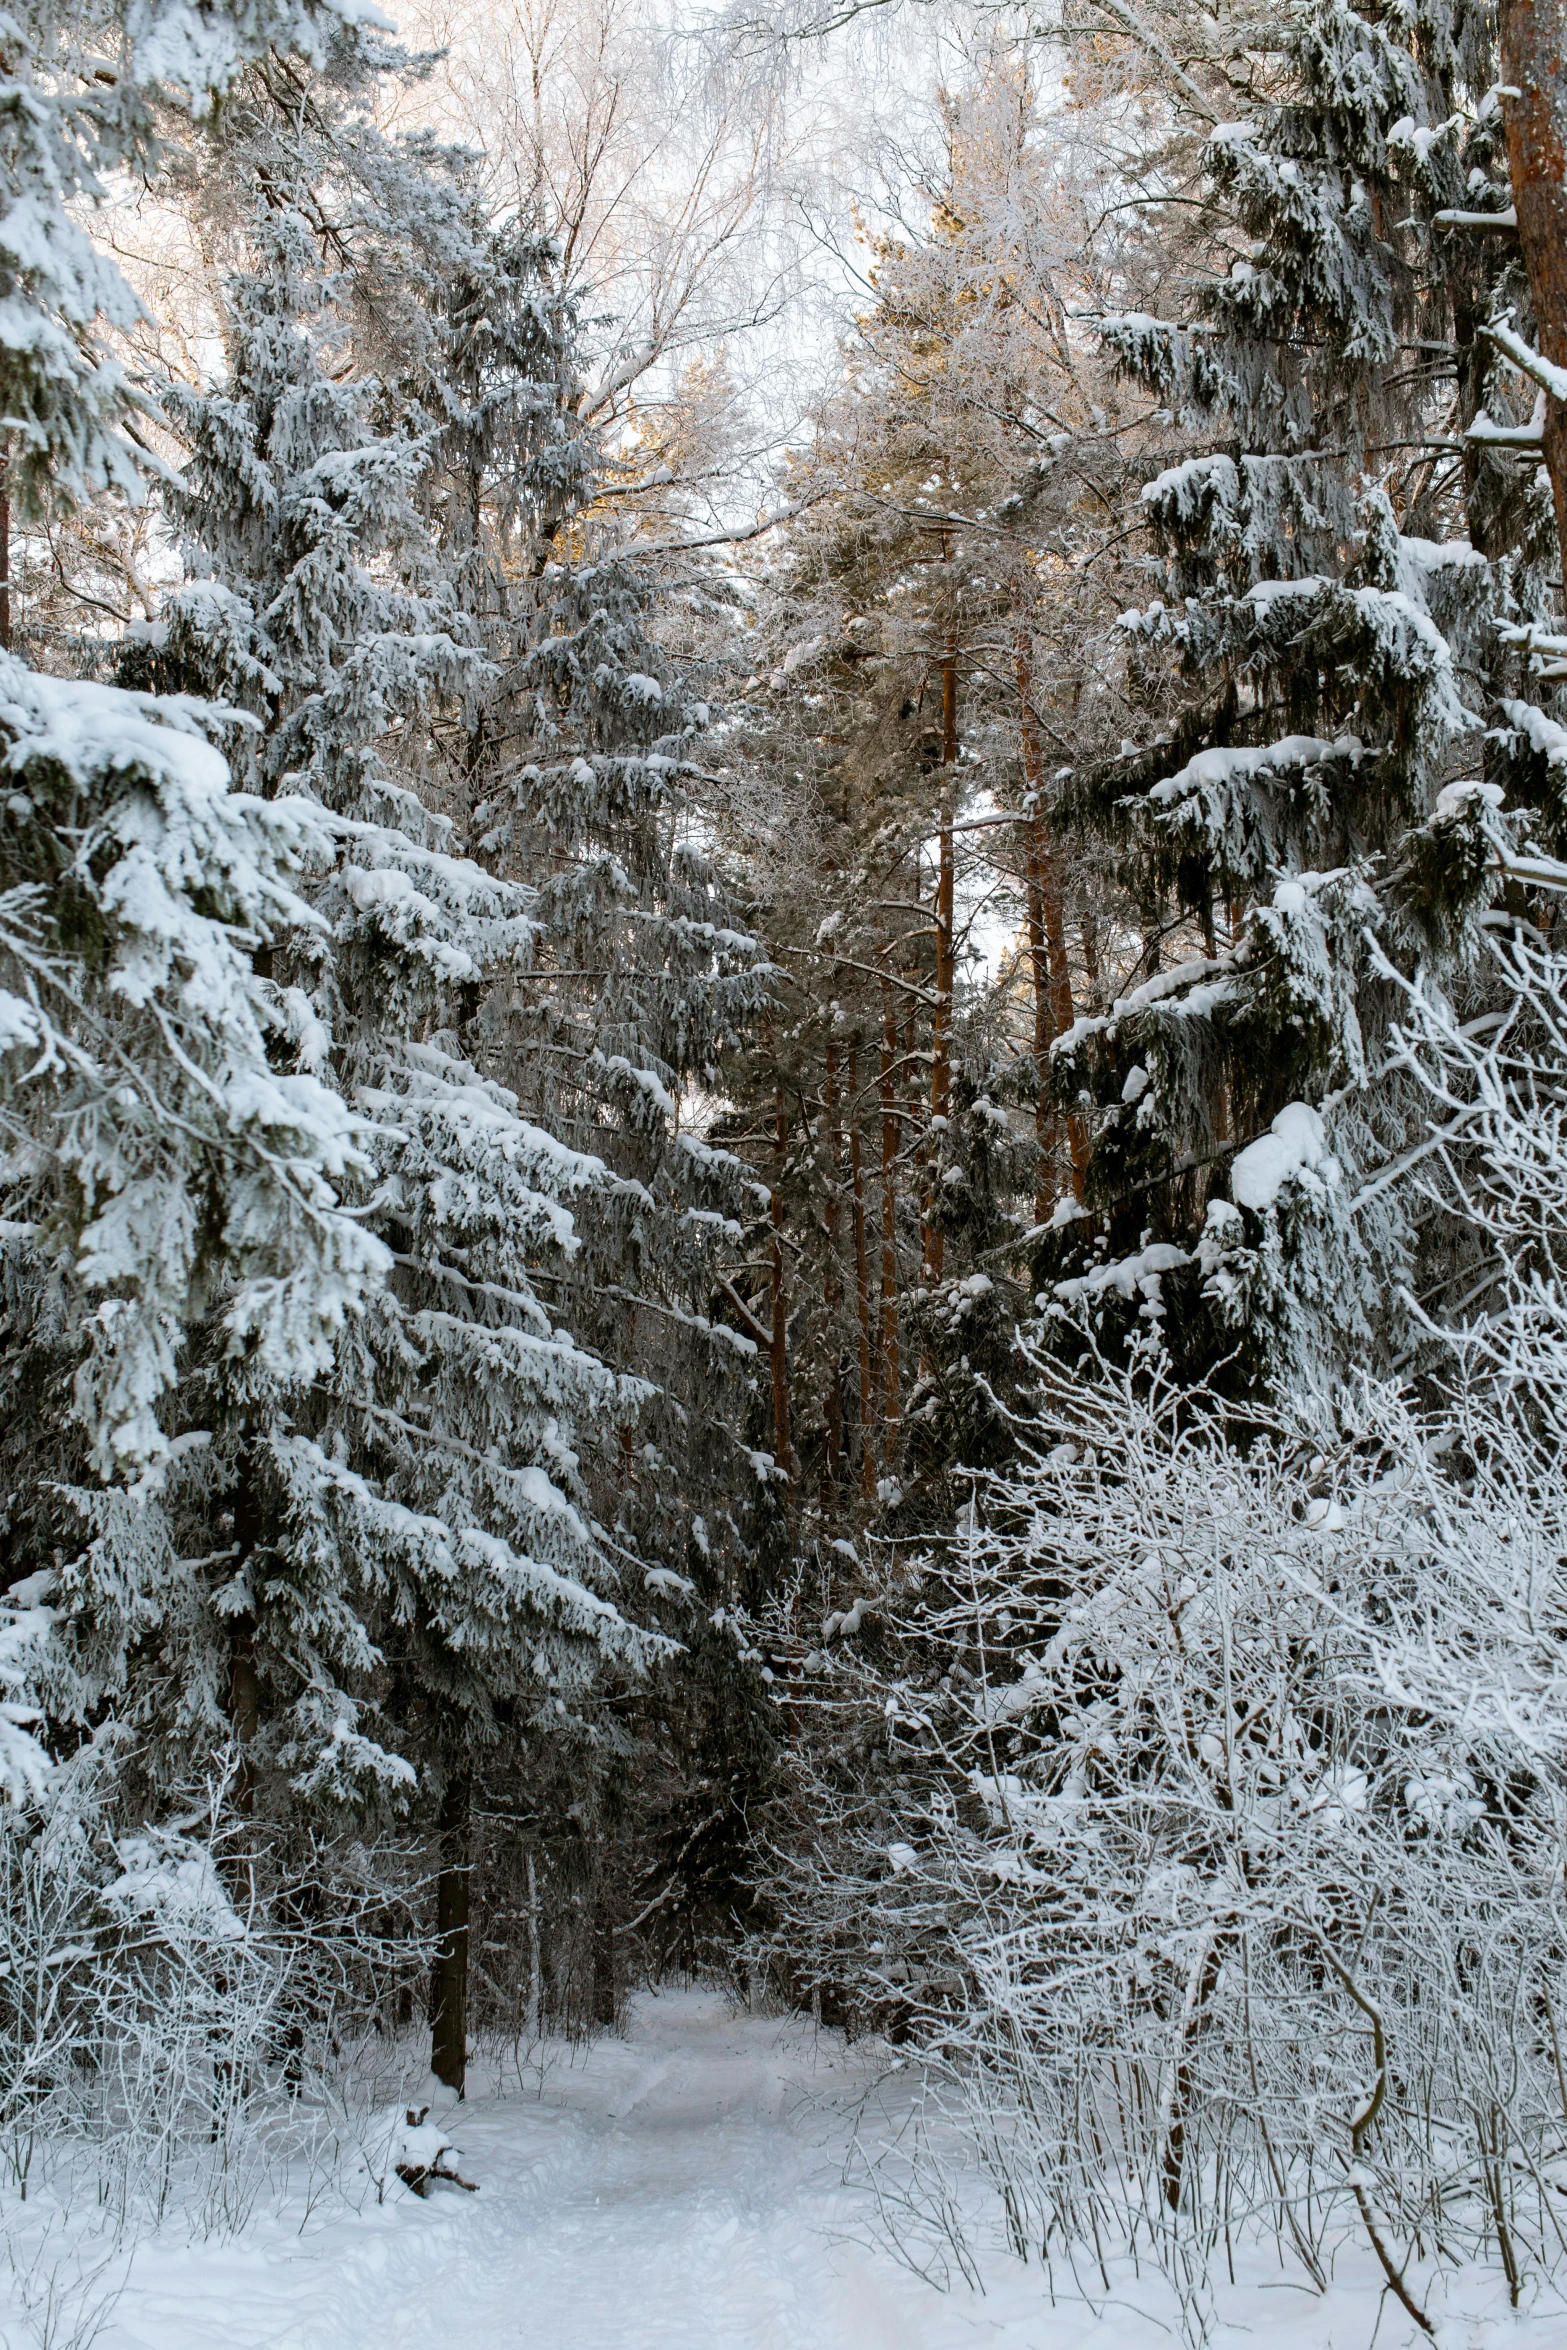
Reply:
x=680, y=2189
x=677, y=2190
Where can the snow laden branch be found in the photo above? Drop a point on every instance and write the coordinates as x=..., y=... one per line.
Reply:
x=140, y=1038
x=1210, y=1856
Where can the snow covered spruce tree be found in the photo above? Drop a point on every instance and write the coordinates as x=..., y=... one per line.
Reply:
x=1335, y=682
x=362, y=1547
x=509, y=681
x=575, y=766
x=152, y=1146
x=477, y=1400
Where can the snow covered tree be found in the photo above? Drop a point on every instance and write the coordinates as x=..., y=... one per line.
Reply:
x=91, y=93
x=339, y=1517
x=155, y=1151
x=1351, y=557
x=923, y=674
x=574, y=768
x=335, y=610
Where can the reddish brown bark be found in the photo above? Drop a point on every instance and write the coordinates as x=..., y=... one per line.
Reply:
x=941, y=1020
x=891, y=1382
x=1044, y=1107
x=832, y=1287
x=862, y=1286
x=5, y=551
x=1534, y=65
x=1053, y=1008
x=782, y=1450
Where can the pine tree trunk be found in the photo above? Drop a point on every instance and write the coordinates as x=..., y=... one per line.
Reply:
x=1088, y=932
x=862, y=1285
x=1534, y=65
x=780, y=1302
x=1044, y=1106
x=449, y=1975
x=1052, y=972
x=891, y=1372
x=832, y=1287
x=5, y=549
x=941, y=1024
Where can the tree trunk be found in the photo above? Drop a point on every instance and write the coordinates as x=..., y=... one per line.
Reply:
x=891, y=1372
x=244, y=1692
x=1044, y=1104
x=449, y=1975
x=780, y=1303
x=1088, y=932
x=5, y=549
x=606, y=1973
x=862, y=1285
x=1053, y=1008
x=244, y=1682
x=535, y=1958
x=941, y=1023
x=1534, y=65
x=832, y=1287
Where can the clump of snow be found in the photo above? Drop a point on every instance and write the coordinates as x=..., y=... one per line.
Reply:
x=173, y=1884
x=1542, y=734
x=1526, y=359
x=1247, y=764
x=1456, y=800
x=1295, y=1144
x=24, y=1765
x=1128, y=1275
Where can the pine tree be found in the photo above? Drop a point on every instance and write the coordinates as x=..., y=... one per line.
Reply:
x=924, y=675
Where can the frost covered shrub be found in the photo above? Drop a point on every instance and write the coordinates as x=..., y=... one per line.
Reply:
x=170, y=1997
x=1254, y=1934
x=1231, y=1894
x=1207, y=1912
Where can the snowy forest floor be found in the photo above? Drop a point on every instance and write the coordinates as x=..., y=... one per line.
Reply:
x=682, y=2188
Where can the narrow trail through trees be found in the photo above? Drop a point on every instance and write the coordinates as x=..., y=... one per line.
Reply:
x=684, y=2188
x=680, y=2189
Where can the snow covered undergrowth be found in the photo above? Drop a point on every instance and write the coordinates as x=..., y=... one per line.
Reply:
x=681, y=2189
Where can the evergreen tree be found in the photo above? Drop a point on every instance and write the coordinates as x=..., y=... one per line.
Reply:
x=1330, y=687
x=365, y=1547
x=573, y=765
x=157, y=1157
x=924, y=674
